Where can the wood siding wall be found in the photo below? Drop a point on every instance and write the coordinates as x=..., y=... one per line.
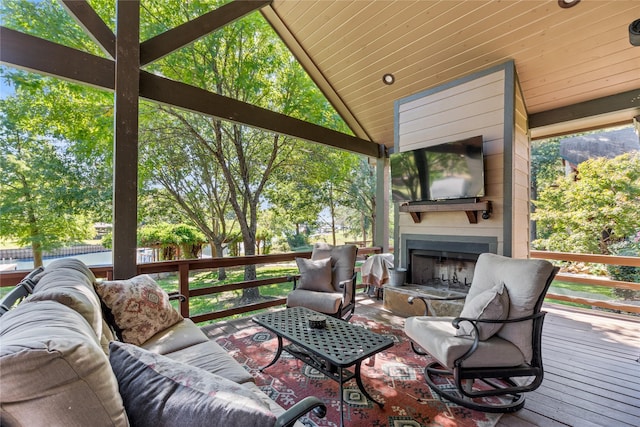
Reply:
x=490, y=104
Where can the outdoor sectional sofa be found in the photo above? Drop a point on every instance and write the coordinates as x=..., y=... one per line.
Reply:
x=63, y=364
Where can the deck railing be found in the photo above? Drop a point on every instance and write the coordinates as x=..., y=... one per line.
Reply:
x=184, y=267
x=593, y=280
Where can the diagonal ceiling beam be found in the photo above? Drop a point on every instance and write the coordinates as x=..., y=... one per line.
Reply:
x=42, y=56
x=180, y=36
x=93, y=25
x=34, y=54
x=199, y=100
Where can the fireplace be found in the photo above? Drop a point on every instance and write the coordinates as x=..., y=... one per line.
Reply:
x=443, y=261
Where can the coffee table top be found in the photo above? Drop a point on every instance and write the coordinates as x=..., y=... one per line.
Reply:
x=340, y=342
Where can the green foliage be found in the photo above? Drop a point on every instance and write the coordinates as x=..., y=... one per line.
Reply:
x=628, y=247
x=193, y=168
x=172, y=239
x=597, y=209
x=40, y=205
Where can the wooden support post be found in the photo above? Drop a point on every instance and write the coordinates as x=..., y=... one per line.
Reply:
x=125, y=158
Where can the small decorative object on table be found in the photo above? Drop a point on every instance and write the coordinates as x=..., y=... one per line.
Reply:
x=317, y=322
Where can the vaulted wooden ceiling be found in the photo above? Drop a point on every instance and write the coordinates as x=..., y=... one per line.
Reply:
x=573, y=63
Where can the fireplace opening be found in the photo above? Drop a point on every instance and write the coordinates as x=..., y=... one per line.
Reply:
x=444, y=270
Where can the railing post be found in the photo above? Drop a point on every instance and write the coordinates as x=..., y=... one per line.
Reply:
x=183, y=283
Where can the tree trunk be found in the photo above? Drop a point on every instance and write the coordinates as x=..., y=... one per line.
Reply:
x=217, y=251
x=36, y=248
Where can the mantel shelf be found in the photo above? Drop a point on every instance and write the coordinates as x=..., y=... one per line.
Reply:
x=471, y=209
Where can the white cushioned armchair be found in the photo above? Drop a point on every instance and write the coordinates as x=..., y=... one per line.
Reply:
x=327, y=281
x=494, y=347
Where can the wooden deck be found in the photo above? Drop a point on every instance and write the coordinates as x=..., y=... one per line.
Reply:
x=592, y=367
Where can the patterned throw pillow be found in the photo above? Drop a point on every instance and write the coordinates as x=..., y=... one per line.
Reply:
x=139, y=306
x=158, y=391
x=492, y=304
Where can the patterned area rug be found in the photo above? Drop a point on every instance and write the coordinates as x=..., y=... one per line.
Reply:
x=393, y=377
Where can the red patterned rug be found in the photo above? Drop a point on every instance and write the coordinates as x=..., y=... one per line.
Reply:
x=393, y=377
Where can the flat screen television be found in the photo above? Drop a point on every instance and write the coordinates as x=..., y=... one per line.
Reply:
x=449, y=171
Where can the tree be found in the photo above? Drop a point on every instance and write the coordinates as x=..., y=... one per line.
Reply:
x=597, y=209
x=245, y=61
x=40, y=204
x=546, y=167
x=191, y=179
x=359, y=195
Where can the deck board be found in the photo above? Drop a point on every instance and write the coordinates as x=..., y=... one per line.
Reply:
x=592, y=372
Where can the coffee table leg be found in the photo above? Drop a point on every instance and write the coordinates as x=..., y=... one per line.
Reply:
x=341, y=397
x=361, y=386
x=277, y=356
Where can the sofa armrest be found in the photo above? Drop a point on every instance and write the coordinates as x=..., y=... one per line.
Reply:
x=307, y=404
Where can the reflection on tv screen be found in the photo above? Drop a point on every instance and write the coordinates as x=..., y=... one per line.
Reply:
x=454, y=170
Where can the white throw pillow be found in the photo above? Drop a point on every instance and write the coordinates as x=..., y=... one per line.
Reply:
x=492, y=304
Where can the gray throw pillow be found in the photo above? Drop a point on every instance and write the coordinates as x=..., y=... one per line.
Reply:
x=492, y=304
x=162, y=392
x=315, y=275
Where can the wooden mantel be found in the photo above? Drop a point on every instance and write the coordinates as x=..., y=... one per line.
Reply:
x=470, y=208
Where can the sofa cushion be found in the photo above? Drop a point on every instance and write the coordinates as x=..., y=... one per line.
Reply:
x=181, y=335
x=492, y=304
x=70, y=282
x=54, y=372
x=139, y=306
x=158, y=391
x=315, y=275
x=213, y=358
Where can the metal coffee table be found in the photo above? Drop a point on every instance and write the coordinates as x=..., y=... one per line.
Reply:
x=330, y=350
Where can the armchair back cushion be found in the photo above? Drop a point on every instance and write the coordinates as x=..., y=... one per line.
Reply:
x=525, y=280
x=343, y=261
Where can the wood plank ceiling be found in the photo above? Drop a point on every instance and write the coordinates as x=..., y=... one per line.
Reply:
x=563, y=56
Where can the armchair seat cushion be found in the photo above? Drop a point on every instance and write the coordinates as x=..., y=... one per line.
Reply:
x=323, y=302
x=438, y=337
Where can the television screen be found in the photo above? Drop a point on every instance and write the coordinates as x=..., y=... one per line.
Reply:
x=454, y=170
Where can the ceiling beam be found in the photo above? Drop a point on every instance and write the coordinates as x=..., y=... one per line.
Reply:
x=93, y=25
x=609, y=104
x=182, y=35
x=42, y=56
x=191, y=98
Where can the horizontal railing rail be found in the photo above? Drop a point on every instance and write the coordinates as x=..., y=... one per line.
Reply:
x=184, y=267
x=593, y=280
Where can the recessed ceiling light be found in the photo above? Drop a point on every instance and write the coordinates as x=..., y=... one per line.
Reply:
x=388, y=79
x=567, y=3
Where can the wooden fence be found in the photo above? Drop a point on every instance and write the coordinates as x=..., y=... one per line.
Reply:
x=184, y=267
x=593, y=280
